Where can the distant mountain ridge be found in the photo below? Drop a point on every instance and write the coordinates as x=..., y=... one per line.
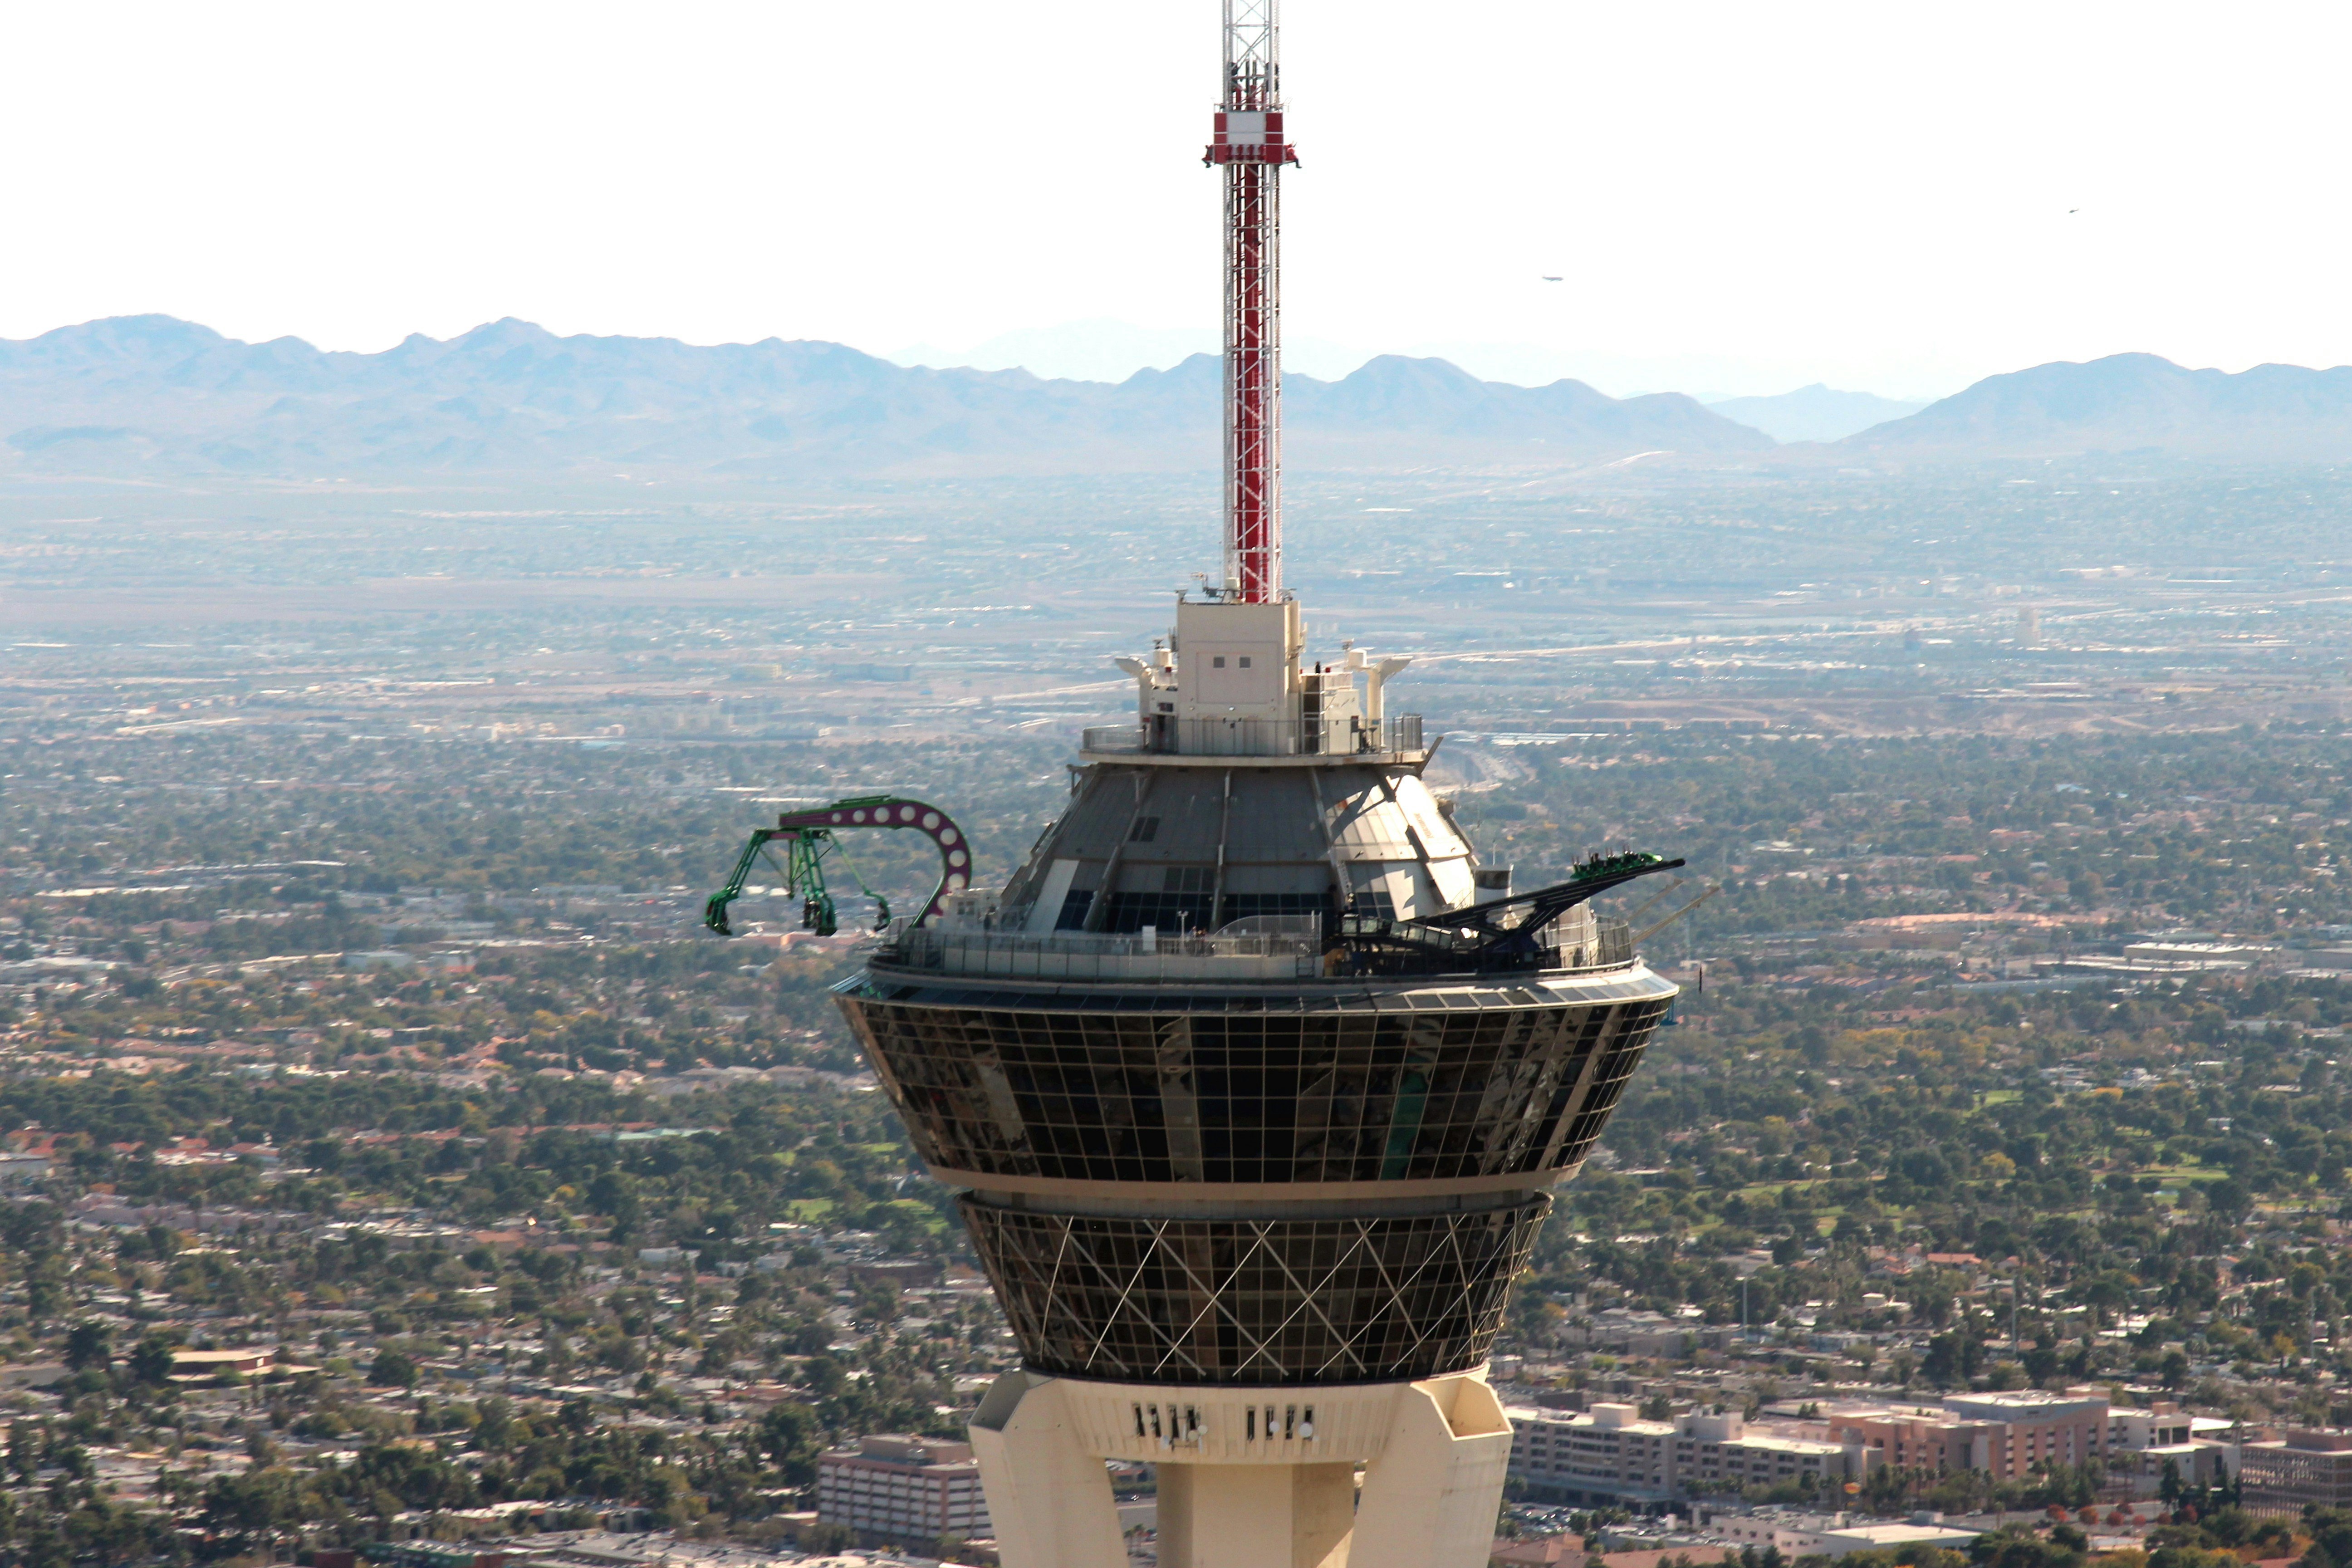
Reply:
x=1815, y=413
x=154, y=394
x=2132, y=403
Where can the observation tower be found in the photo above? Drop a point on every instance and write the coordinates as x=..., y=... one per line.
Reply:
x=1253, y=1079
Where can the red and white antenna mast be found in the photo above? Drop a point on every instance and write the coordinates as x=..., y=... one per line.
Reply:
x=1250, y=143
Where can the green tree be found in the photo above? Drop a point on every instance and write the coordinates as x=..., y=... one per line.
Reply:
x=90, y=1343
x=791, y=1437
x=152, y=1360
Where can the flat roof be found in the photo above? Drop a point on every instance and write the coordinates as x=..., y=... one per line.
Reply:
x=1901, y=1534
x=1584, y=1418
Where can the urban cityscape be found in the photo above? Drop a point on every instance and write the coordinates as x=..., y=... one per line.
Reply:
x=634, y=953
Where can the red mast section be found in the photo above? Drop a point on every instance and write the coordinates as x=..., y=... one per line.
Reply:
x=1250, y=143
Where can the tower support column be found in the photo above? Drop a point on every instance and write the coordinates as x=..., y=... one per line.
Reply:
x=1433, y=1494
x=1048, y=1498
x=1257, y=1516
x=1263, y=1478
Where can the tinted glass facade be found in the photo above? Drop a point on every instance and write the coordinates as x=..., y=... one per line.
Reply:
x=1242, y=1301
x=1253, y=1095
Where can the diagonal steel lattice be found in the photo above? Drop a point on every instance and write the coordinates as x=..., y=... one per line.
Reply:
x=1253, y=1302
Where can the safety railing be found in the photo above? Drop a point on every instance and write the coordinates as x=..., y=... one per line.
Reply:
x=1264, y=956
x=1086, y=955
x=1371, y=945
x=1611, y=947
x=1351, y=737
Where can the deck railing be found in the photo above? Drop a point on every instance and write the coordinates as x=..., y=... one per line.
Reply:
x=1256, y=737
x=1088, y=955
x=1149, y=955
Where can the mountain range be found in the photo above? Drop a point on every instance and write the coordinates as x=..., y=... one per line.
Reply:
x=1815, y=413
x=138, y=396
x=152, y=394
x=2134, y=403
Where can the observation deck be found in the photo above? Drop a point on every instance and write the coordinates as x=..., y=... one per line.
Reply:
x=1253, y=1074
x=1353, y=739
x=1285, y=958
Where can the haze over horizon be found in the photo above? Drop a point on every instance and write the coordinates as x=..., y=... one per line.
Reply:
x=1110, y=353
x=1798, y=200
x=1107, y=349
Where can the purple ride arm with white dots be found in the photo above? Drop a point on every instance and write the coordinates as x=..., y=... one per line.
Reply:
x=955, y=855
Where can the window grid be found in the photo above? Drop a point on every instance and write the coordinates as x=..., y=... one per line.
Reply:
x=1256, y=1097
x=1250, y=1302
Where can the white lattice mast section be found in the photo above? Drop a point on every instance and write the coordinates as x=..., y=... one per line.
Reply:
x=1250, y=143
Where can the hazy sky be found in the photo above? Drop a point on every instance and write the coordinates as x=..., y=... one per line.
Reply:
x=1739, y=197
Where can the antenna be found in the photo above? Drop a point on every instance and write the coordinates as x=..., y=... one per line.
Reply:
x=1250, y=143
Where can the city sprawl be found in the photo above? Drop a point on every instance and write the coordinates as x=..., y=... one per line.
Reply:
x=393, y=1163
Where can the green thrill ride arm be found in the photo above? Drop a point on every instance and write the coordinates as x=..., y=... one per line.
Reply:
x=809, y=834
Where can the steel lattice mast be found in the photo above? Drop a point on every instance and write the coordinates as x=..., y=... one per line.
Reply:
x=1250, y=143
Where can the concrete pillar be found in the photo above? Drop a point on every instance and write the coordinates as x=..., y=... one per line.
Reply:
x=1430, y=1497
x=1233, y=1492
x=1048, y=1498
x=1257, y=1516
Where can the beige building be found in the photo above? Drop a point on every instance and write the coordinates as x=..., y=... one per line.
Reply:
x=1918, y=1438
x=1631, y=1332
x=248, y=1362
x=902, y=1489
x=2200, y=1450
x=1835, y=1535
x=2004, y=1435
x=1608, y=1455
x=2310, y=1467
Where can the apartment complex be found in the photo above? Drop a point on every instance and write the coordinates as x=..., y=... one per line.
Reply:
x=902, y=1489
x=2308, y=1467
x=1608, y=1455
x=2007, y=1436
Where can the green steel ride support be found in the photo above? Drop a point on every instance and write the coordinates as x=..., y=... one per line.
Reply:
x=809, y=842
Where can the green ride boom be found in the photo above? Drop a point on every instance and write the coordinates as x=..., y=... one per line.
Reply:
x=809, y=842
